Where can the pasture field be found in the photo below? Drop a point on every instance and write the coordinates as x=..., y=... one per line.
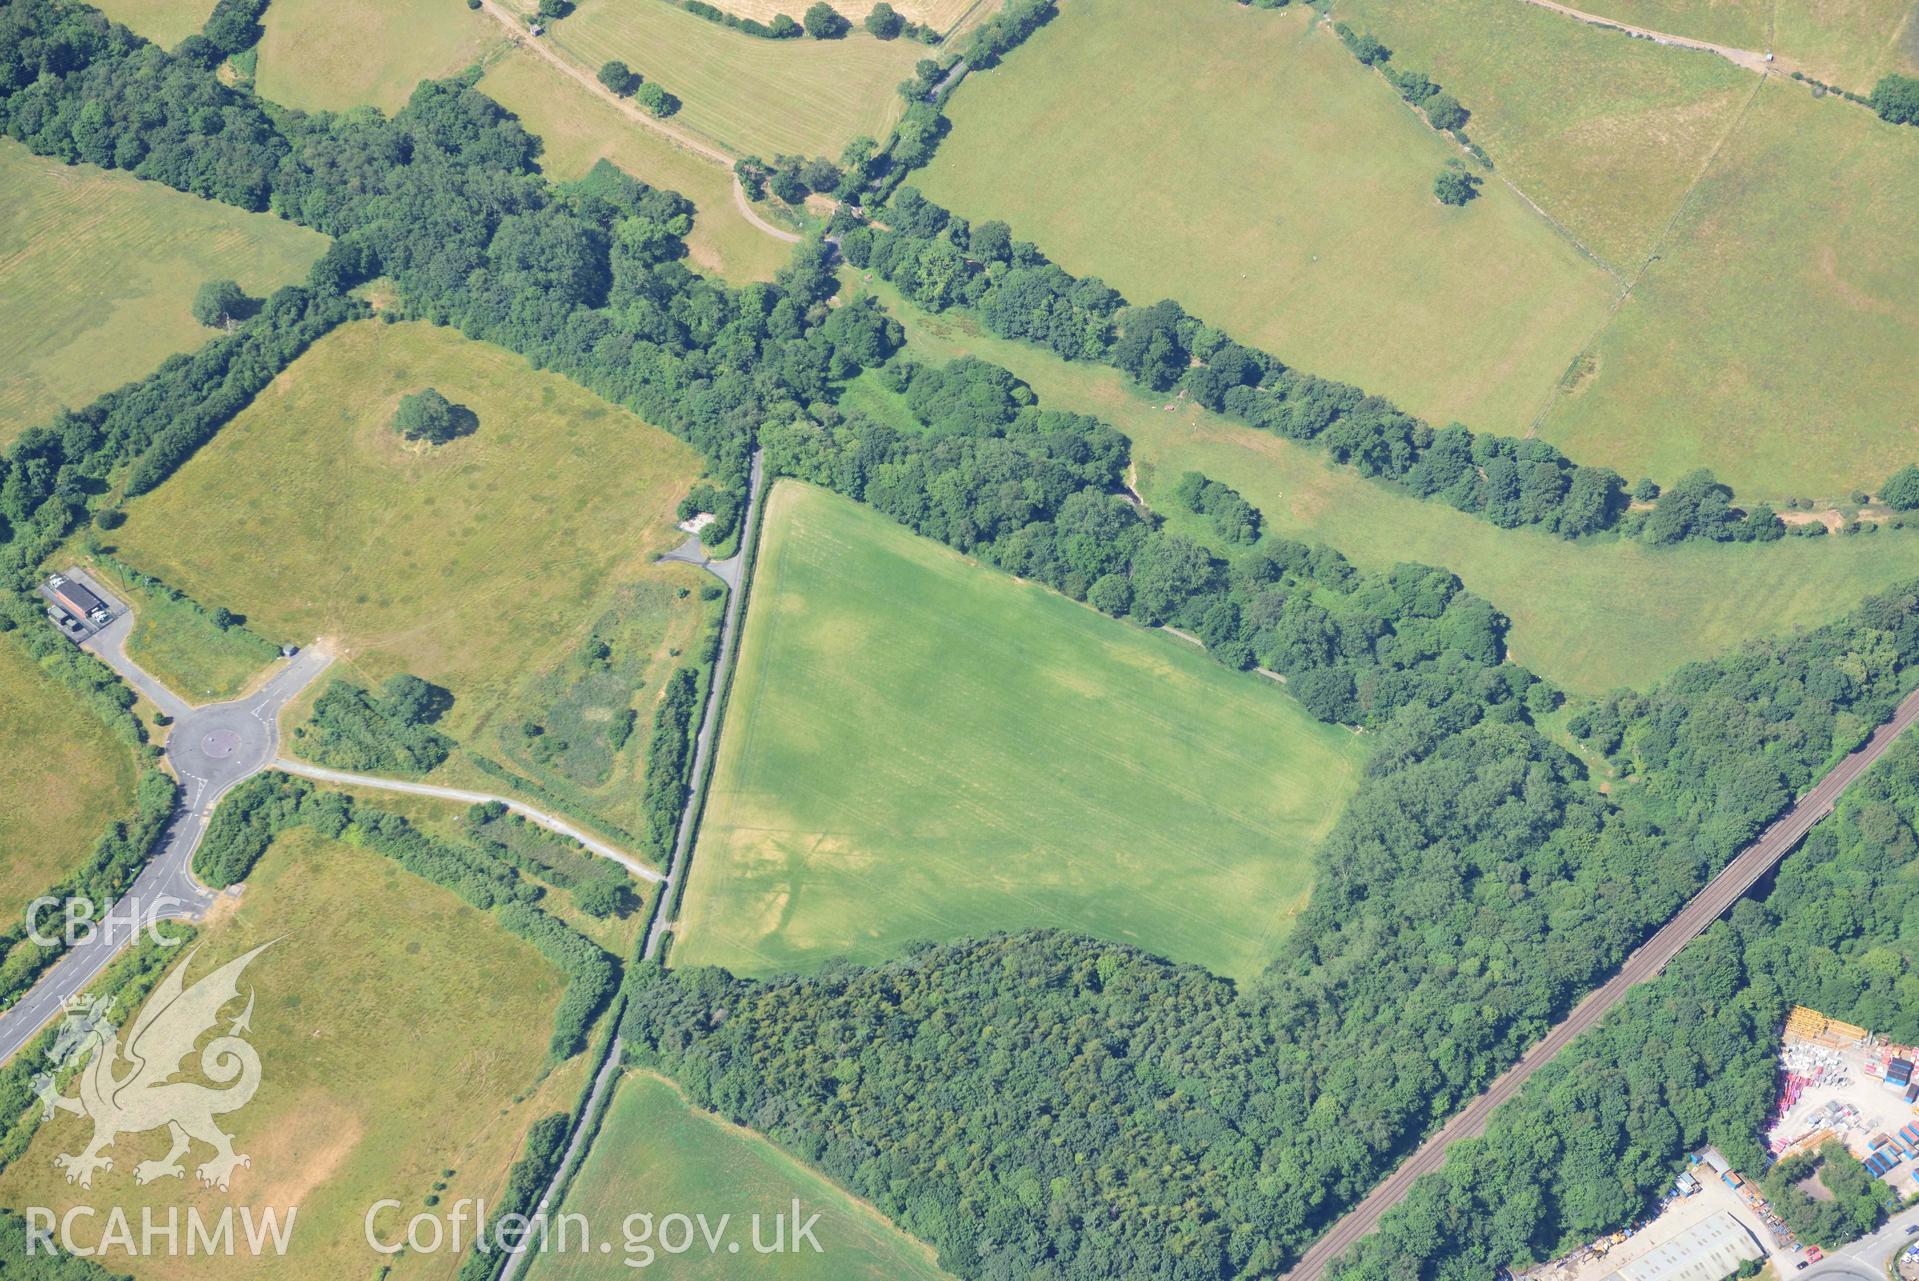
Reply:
x=941, y=15
x=659, y=1154
x=579, y=129
x=97, y=270
x=475, y=565
x=328, y=55
x=397, y=1028
x=1849, y=42
x=63, y=778
x=1588, y=616
x=801, y=97
x=1846, y=42
x=1772, y=339
x=917, y=747
x=1605, y=134
x=165, y=22
x=1251, y=169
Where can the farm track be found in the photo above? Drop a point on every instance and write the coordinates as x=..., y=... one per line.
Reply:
x=1728, y=887
x=1751, y=60
x=516, y=32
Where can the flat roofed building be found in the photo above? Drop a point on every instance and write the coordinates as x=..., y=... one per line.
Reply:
x=1710, y=1250
x=82, y=602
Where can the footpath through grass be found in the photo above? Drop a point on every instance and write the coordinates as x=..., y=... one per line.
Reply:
x=476, y=564
x=804, y=97
x=1845, y=42
x=1773, y=339
x=1604, y=133
x=98, y=269
x=1240, y=161
x=657, y=1155
x=920, y=747
x=63, y=778
x=1588, y=616
x=397, y=1028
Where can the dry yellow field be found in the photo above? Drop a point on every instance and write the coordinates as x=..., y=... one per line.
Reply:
x=397, y=1028
x=473, y=565
x=328, y=55
x=63, y=778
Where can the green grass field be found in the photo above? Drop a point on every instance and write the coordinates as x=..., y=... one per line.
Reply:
x=1772, y=341
x=180, y=644
x=1251, y=169
x=97, y=270
x=333, y=54
x=1605, y=134
x=579, y=129
x=1846, y=42
x=658, y=1155
x=1588, y=616
x=63, y=778
x=165, y=22
x=803, y=97
x=476, y=565
x=920, y=747
x=395, y=1026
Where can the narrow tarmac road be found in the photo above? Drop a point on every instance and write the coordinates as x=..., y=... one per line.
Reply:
x=729, y=571
x=550, y=822
x=210, y=748
x=1725, y=889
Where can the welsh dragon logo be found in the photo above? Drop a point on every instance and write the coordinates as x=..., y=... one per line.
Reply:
x=131, y=1088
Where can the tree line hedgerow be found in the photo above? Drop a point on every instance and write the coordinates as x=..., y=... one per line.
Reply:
x=939, y=260
x=1033, y=491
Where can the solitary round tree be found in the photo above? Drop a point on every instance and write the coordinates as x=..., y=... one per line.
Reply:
x=218, y=302
x=1455, y=186
x=618, y=77
x=426, y=415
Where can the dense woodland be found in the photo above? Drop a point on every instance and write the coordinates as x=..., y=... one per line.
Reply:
x=1037, y=1105
x=1688, y=1059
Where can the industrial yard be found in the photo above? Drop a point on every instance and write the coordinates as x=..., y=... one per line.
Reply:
x=1838, y=1081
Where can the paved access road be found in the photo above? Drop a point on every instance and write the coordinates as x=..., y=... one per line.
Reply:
x=550, y=822
x=210, y=748
x=1707, y=906
x=730, y=571
x=1866, y=1258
